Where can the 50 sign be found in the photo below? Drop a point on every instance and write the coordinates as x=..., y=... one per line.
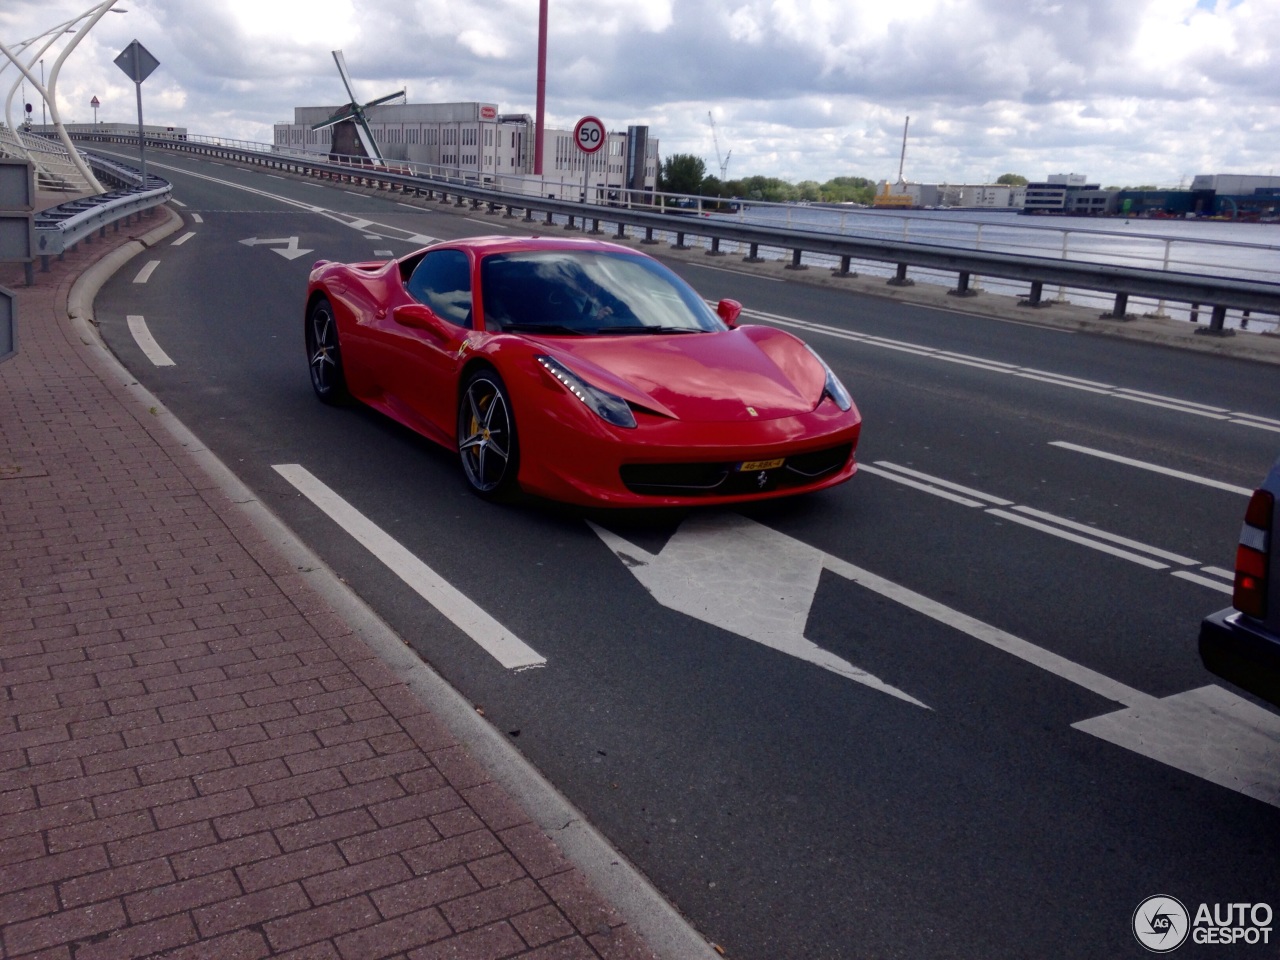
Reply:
x=589, y=134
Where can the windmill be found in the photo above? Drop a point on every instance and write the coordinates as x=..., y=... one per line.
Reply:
x=354, y=113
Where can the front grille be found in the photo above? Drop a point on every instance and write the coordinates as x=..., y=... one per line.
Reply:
x=725, y=479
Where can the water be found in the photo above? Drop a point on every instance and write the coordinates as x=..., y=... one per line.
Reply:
x=1247, y=251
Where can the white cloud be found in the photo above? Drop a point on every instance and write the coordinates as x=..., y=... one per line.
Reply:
x=1136, y=92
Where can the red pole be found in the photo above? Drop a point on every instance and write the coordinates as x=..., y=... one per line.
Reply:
x=542, y=87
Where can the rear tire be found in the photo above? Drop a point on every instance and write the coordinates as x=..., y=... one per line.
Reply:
x=487, y=444
x=324, y=355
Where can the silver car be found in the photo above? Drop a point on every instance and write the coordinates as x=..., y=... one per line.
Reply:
x=1241, y=644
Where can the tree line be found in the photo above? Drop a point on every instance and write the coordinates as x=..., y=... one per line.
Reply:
x=686, y=173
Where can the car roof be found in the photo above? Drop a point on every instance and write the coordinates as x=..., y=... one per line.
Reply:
x=484, y=246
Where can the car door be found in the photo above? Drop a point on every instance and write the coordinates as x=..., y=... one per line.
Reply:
x=424, y=347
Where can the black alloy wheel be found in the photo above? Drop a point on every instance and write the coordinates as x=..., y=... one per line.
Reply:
x=323, y=354
x=487, y=436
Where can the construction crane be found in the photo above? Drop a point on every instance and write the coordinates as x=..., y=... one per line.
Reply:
x=724, y=164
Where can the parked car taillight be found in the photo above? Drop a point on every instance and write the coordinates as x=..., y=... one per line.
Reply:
x=1250, y=595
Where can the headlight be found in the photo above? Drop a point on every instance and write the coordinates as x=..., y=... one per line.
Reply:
x=833, y=388
x=608, y=407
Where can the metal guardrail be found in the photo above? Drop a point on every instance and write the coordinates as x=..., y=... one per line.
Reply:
x=60, y=228
x=1218, y=294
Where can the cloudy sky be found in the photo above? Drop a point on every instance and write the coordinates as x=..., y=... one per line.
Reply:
x=1126, y=91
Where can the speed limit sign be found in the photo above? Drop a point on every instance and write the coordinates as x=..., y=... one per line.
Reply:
x=590, y=135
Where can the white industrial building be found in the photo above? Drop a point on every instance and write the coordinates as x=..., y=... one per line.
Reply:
x=473, y=140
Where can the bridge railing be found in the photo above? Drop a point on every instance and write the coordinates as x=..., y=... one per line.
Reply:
x=60, y=228
x=629, y=211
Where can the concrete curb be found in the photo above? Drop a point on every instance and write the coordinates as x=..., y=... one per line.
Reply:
x=612, y=876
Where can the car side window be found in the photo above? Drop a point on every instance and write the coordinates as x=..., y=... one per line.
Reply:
x=442, y=281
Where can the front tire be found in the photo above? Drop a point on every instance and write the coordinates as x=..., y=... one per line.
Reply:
x=324, y=356
x=487, y=444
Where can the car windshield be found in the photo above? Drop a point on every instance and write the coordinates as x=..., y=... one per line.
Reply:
x=570, y=292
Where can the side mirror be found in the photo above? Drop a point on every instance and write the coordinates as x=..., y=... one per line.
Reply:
x=729, y=311
x=417, y=316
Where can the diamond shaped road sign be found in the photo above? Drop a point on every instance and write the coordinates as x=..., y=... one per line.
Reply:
x=137, y=62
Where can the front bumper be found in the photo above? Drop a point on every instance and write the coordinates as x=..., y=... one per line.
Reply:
x=1239, y=651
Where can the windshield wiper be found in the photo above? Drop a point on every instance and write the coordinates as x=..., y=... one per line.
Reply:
x=543, y=328
x=643, y=328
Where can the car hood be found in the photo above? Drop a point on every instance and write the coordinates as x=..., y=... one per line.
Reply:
x=735, y=375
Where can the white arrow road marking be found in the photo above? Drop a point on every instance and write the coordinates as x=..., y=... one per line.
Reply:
x=147, y=343
x=1209, y=733
x=290, y=251
x=743, y=577
x=497, y=640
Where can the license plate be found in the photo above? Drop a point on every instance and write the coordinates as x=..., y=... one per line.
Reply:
x=751, y=465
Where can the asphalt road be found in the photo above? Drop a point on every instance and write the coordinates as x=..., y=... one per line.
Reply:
x=1041, y=753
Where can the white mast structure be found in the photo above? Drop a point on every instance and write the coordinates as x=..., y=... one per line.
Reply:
x=49, y=93
x=724, y=164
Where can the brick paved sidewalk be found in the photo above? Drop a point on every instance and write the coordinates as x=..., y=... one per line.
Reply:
x=198, y=758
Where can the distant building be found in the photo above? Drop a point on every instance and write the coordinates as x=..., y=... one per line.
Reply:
x=473, y=140
x=1234, y=184
x=980, y=196
x=1071, y=194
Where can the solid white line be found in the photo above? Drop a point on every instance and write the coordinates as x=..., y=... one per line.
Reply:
x=739, y=273
x=1028, y=373
x=1083, y=541
x=497, y=640
x=182, y=239
x=1112, y=537
x=1178, y=406
x=944, y=483
x=147, y=343
x=145, y=273
x=1254, y=423
x=1185, y=403
x=1226, y=588
x=1154, y=468
x=1037, y=656
x=927, y=488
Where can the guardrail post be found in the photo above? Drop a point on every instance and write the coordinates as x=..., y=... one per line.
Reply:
x=648, y=236
x=900, y=279
x=622, y=231
x=715, y=250
x=1033, y=299
x=679, y=244
x=753, y=254
x=962, y=287
x=795, y=263
x=1195, y=313
x=844, y=270
x=568, y=226
x=1118, y=312
x=1217, y=324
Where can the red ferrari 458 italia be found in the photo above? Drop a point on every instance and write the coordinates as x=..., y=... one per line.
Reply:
x=580, y=371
